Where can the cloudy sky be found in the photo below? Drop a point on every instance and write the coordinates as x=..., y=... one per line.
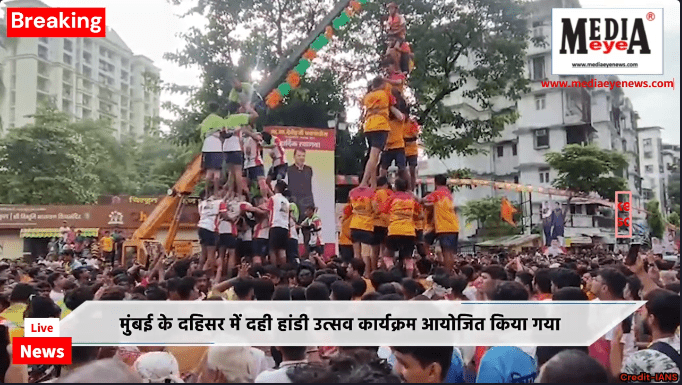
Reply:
x=150, y=27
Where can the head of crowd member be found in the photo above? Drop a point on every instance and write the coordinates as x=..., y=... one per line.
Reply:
x=43, y=289
x=411, y=288
x=297, y=293
x=668, y=277
x=674, y=287
x=113, y=293
x=158, y=367
x=563, y=277
x=299, y=157
x=172, y=288
x=341, y=291
x=377, y=277
x=573, y=366
x=632, y=288
x=78, y=296
x=56, y=280
x=491, y=275
x=273, y=273
x=243, y=289
x=42, y=307
x=661, y=317
x=280, y=187
x=201, y=281
x=187, y=290
x=317, y=291
x=609, y=284
x=281, y=293
x=355, y=269
x=112, y=369
x=526, y=279
x=569, y=293
x=422, y=364
x=359, y=288
x=469, y=272
x=21, y=293
x=510, y=291
x=155, y=293
x=305, y=274
x=263, y=289
x=545, y=353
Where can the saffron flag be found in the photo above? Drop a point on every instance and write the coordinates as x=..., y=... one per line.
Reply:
x=507, y=212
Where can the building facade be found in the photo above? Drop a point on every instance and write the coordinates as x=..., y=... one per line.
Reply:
x=87, y=78
x=549, y=119
x=654, y=182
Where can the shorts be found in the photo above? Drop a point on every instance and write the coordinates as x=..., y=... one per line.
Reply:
x=346, y=253
x=412, y=161
x=253, y=173
x=260, y=247
x=404, y=245
x=292, y=250
x=278, y=238
x=429, y=238
x=448, y=241
x=376, y=139
x=234, y=158
x=380, y=234
x=213, y=160
x=227, y=241
x=278, y=172
x=395, y=155
x=207, y=237
x=245, y=249
x=362, y=236
x=319, y=249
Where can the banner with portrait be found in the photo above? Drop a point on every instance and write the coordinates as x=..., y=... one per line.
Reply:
x=310, y=174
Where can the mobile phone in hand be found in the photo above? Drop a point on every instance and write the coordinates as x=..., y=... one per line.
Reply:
x=631, y=258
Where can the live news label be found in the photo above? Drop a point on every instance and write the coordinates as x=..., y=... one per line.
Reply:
x=41, y=351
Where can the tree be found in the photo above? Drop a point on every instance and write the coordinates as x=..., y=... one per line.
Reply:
x=674, y=219
x=350, y=153
x=42, y=163
x=487, y=214
x=587, y=169
x=674, y=188
x=654, y=219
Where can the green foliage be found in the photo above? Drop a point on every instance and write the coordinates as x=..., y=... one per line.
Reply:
x=674, y=189
x=654, y=219
x=587, y=169
x=55, y=161
x=350, y=153
x=487, y=212
x=674, y=219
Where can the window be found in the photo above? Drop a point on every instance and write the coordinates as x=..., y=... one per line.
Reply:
x=660, y=169
x=43, y=40
x=647, y=142
x=68, y=45
x=544, y=175
x=648, y=155
x=67, y=59
x=625, y=145
x=500, y=151
x=514, y=149
x=649, y=169
x=538, y=68
x=516, y=179
x=541, y=138
x=540, y=102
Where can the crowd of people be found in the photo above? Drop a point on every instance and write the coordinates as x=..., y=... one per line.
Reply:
x=641, y=343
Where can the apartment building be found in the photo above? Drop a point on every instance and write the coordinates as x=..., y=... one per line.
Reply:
x=671, y=166
x=88, y=78
x=550, y=119
x=654, y=173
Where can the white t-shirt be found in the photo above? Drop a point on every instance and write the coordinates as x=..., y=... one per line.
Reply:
x=252, y=153
x=208, y=214
x=56, y=296
x=212, y=144
x=278, y=206
x=232, y=143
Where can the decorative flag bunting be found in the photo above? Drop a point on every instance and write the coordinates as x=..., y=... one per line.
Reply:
x=507, y=211
x=293, y=80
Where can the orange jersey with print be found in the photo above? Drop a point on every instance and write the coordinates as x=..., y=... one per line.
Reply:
x=419, y=218
x=377, y=104
x=381, y=197
x=395, y=139
x=344, y=237
x=410, y=134
x=444, y=216
x=428, y=219
x=401, y=208
x=363, y=214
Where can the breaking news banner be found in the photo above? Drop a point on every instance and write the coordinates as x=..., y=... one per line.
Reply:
x=56, y=22
x=365, y=323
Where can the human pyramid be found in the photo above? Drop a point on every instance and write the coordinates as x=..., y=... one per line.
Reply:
x=379, y=220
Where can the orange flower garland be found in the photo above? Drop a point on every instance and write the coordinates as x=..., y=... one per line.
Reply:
x=274, y=98
x=294, y=79
x=329, y=32
x=310, y=55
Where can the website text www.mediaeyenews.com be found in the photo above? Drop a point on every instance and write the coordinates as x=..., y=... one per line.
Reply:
x=611, y=84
